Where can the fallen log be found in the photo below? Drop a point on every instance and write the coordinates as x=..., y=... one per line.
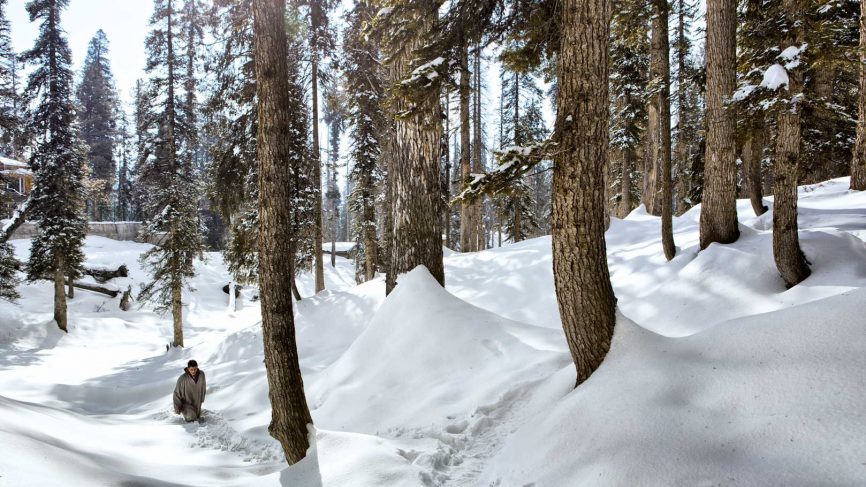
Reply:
x=90, y=287
x=97, y=289
x=102, y=275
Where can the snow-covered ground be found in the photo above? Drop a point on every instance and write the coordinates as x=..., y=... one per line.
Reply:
x=717, y=375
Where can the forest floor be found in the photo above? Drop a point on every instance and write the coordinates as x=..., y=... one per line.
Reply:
x=717, y=374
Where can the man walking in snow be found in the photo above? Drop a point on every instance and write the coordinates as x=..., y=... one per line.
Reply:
x=189, y=392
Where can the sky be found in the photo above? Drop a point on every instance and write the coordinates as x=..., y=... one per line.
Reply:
x=125, y=22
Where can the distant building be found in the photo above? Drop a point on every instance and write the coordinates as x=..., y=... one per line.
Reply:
x=17, y=180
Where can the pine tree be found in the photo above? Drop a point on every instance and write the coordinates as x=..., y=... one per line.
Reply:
x=290, y=415
x=858, y=162
x=232, y=113
x=334, y=116
x=99, y=113
x=719, y=212
x=629, y=69
x=583, y=289
x=521, y=124
x=11, y=119
x=413, y=162
x=57, y=159
x=125, y=210
x=661, y=105
x=172, y=187
x=321, y=44
x=789, y=258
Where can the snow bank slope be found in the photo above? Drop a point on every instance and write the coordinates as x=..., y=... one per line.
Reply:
x=772, y=399
x=427, y=356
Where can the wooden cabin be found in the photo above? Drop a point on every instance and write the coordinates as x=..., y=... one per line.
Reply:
x=17, y=181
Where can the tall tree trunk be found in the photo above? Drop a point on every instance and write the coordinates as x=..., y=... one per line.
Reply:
x=858, y=162
x=417, y=234
x=661, y=74
x=467, y=240
x=649, y=195
x=753, y=152
x=177, y=309
x=389, y=159
x=369, y=232
x=681, y=150
x=719, y=210
x=446, y=214
x=176, y=280
x=790, y=260
x=586, y=301
x=626, y=169
x=290, y=415
x=477, y=164
x=318, y=261
x=60, y=316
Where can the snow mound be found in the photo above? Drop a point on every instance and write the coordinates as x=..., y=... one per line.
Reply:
x=427, y=356
x=771, y=399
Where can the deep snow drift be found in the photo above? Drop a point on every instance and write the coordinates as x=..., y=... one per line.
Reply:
x=717, y=375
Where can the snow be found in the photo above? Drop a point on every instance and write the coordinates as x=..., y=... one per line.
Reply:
x=5, y=161
x=774, y=77
x=340, y=246
x=717, y=374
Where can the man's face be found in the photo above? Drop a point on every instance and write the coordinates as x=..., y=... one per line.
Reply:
x=193, y=371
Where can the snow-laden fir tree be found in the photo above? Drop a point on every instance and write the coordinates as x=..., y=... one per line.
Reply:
x=232, y=118
x=98, y=115
x=334, y=116
x=125, y=210
x=57, y=158
x=365, y=90
x=11, y=119
x=688, y=103
x=522, y=124
x=171, y=201
x=628, y=78
x=321, y=44
x=414, y=142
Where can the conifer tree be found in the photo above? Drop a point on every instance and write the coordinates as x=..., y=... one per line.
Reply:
x=334, y=117
x=661, y=106
x=586, y=301
x=98, y=115
x=629, y=69
x=413, y=162
x=719, y=211
x=232, y=113
x=858, y=162
x=172, y=187
x=11, y=119
x=290, y=416
x=57, y=159
x=689, y=109
x=125, y=210
x=321, y=43
x=366, y=94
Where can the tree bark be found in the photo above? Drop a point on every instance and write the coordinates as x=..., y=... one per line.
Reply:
x=290, y=415
x=60, y=316
x=718, y=221
x=478, y=236
x=858, y=162
x=584, y=293
x=649, y=196
x=790, y=260
x=626, y=169
x=467, y=240
x=318, y=261
x=660, y=68
x=753, y=152
x=416, y=142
